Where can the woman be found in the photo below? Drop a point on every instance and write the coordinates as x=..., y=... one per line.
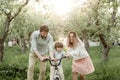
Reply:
x=82, y=63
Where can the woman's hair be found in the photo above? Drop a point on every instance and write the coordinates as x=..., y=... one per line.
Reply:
x=44, y=28
x=58, y=45
x=76, y=42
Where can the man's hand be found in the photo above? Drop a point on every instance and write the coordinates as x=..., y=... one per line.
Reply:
x=44, y=59
x=41, y=58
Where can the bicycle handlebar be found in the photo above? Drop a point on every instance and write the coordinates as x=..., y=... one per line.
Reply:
x=50, y=60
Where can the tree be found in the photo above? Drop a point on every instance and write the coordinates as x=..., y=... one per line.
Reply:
x=104, y=21
x=9, y=10
x=99, y=19
x=79, y=20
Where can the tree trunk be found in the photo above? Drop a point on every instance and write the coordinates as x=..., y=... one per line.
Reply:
x=4, y=33
x=85, y=39
x=1, y=49
x=3, y=37
x=22, y=44
x=105, y=54
x=106, y=47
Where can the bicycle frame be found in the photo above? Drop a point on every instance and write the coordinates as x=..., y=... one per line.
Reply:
x=56, y=76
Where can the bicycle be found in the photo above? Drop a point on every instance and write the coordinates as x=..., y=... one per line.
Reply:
x=56, y=76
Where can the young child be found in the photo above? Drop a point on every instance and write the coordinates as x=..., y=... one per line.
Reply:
x=57, y=54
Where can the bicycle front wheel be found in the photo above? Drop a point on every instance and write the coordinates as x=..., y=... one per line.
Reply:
x=57, y=78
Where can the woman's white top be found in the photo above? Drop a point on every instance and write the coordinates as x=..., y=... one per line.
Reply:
x=78, y=52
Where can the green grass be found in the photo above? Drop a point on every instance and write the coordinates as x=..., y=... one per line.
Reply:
x=14, y=65
x=105, y=71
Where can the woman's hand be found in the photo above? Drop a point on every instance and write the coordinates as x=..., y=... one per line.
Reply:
x=67, y=55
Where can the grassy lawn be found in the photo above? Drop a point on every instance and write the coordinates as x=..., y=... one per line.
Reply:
x=14, y=65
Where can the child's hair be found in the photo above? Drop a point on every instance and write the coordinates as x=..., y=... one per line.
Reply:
x=58, y=45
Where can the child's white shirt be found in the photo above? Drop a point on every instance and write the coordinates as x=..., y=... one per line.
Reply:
x=58, y=55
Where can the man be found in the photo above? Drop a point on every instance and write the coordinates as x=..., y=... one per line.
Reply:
x=41, y=43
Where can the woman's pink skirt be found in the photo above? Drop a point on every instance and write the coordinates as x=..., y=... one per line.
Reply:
x=83, y=66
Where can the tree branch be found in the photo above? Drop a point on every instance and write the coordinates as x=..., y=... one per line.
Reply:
x=10, y=18
x=20, y=9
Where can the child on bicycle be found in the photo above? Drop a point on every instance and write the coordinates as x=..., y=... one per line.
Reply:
x=57, y=54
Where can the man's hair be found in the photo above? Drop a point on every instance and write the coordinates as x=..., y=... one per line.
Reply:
x=44, y=28
x=58, y=45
